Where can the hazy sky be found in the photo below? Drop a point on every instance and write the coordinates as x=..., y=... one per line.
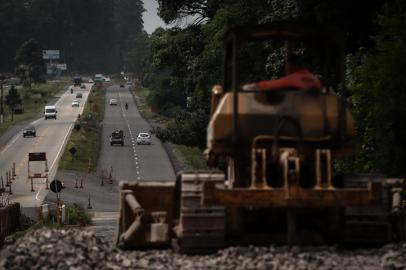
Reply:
x=151, y=19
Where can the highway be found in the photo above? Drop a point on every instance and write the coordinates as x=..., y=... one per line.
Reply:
x=131, y=162
x=51, y=138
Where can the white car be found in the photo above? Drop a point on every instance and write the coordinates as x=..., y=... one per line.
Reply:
x=113, y=101
x=75, y=103
x=143, y=138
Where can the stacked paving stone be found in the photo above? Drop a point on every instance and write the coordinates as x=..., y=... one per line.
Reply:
x=82, y=249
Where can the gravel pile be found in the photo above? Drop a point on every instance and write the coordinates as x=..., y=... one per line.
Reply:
x=81, y=249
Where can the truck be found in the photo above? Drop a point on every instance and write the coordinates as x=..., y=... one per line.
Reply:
x=77, y=81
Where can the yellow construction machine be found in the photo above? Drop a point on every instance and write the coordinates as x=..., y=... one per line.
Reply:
x=278, y=184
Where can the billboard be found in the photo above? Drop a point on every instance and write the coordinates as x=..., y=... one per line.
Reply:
x=61, y=66
x=50, y=54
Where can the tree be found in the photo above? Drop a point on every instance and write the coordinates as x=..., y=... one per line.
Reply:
x=377, y=94
x=12, y=100
x=29, y=62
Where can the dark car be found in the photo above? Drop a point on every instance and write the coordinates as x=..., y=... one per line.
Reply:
x=121, y=85
x=79, y=95
x=83, y=86
x=117, y=137
x=29, y=131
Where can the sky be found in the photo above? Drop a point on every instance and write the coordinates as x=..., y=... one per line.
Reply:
x=151, y=19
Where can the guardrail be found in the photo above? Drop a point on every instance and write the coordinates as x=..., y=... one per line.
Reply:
x=9, y=220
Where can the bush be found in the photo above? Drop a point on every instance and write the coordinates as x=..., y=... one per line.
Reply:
x=76, y=215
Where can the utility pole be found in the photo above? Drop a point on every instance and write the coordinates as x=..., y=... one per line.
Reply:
x=1, y=100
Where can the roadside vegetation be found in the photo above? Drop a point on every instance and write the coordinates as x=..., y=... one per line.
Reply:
x=86, y=135
x=33, y=101
x=189, y=157
x=75, y=216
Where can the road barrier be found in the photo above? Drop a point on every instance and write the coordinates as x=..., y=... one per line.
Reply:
x=9, y=220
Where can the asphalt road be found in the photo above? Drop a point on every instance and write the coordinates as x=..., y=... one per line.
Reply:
x=51, y=138
x=131, y=162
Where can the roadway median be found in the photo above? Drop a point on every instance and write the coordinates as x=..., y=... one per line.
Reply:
x=82, y=150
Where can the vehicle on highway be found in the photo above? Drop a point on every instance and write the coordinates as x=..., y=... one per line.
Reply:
x=90, y=81
x=121, y=85
x=79, y=95
x=83, y=86
x=129, y=83
x=75, y=103
x=77, y=80
x=143, y=138
x=50, y=112
x=113, y=101
x=117, y=137
x=29, y=131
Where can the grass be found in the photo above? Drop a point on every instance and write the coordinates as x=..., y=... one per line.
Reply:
x=87, y=138
x=34, y=100
x=191, y=157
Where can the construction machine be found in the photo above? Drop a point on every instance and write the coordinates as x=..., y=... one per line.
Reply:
x=278, y=185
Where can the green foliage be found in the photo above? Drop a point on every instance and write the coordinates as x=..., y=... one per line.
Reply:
x=76, y=215
x=191, y=157
x=12, y=100
x=377, y=94
x=87, y=139
x=29, y=63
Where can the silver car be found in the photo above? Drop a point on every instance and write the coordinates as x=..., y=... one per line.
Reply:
x=144, y=138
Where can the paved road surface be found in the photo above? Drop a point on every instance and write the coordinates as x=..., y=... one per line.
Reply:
x=132, y=162
x=51, y=137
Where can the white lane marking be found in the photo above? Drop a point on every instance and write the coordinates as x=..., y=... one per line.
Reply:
x=31, y=123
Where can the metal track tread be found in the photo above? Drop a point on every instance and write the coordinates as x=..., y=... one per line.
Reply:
x=201, y=227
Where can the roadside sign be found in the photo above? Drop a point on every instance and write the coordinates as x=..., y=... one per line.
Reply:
x=56, y=186
x=61, y=66
x=37, y=156
x=50, y=54
x=73, y=150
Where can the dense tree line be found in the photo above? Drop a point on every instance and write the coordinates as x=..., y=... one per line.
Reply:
x=186, y=62
x=92, y=35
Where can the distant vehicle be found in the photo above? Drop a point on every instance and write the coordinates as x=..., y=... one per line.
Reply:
x=77, y=81
x=79, y=95
x=144, y=138
x=113, y=101
x=121, y=85
x=90, y=81
x=83, y=86
x=101, y=78
x=117, y=137
x=129, y=83
x=50, y=112
x=75, y=103
x=29, y=131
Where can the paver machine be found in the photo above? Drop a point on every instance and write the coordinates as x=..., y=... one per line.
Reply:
x=277, y=148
